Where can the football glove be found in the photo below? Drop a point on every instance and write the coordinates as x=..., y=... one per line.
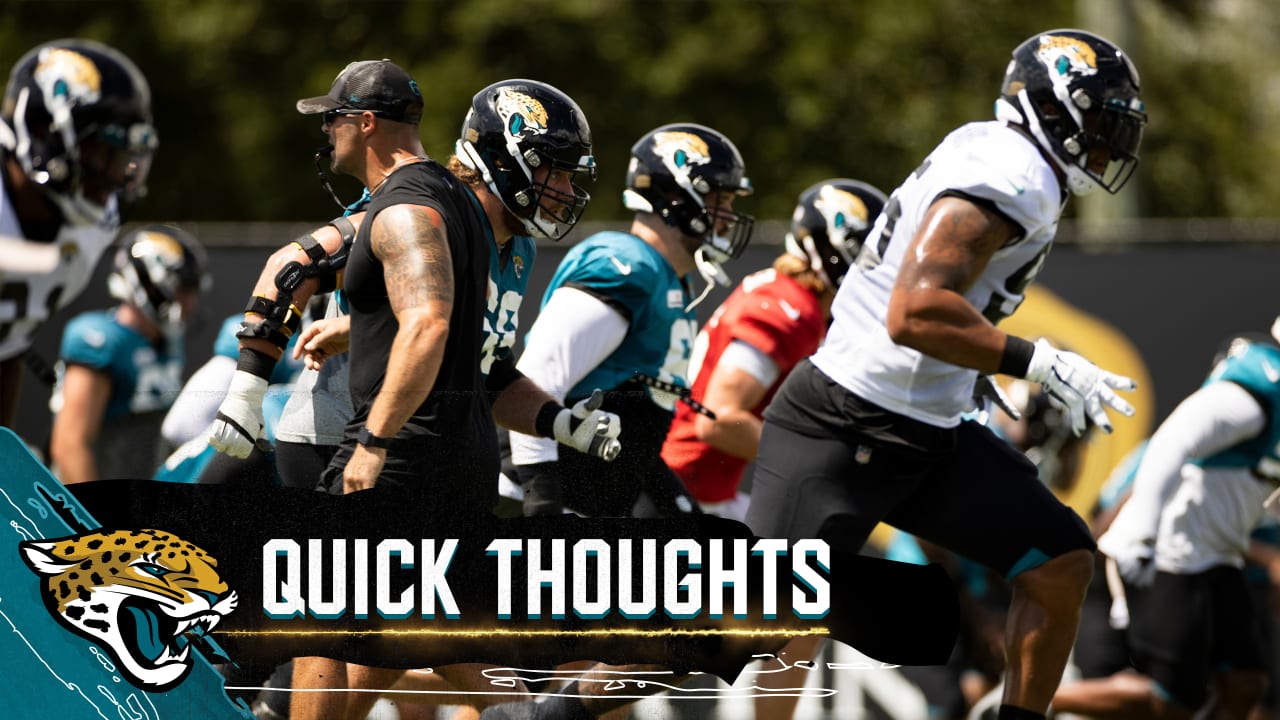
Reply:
x=1135, y=559
x=239, y=423
x=588, y=429
x=1081, y=388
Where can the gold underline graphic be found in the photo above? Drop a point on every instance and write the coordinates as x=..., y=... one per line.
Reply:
x=508, y=632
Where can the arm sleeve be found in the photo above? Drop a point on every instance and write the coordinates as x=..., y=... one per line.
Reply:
x=196, y=405
x=751, y=360
x=573, y=334
x=1212, y=419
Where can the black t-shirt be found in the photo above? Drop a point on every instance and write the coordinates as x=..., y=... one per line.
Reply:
x=454, y=425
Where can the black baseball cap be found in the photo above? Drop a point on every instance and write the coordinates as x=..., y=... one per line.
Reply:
x=379, y=86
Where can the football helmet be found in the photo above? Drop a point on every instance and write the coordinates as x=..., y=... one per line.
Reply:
x=830, y=223
x=77, y=117
x=517, y=126
x=1078, y=95
x=673, y=168
x=152, y=265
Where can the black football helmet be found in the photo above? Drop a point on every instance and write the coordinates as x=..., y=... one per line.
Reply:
x=1079, y=96
x=516, y=126
x=830, y=223
x=672, y=169
x=152, y=265
x=77, y=117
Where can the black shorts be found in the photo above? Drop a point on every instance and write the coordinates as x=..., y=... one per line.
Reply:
x=465, y=480
x=300, y=465
x=963, y=489
x=1184, y=628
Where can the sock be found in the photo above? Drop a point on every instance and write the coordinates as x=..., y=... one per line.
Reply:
x=1009, y=712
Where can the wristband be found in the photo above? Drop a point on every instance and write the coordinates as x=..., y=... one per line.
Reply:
x=545, y=423
x=256, y=363
x=1016, y=358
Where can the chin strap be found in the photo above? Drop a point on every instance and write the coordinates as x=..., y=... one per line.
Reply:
x=711, y=273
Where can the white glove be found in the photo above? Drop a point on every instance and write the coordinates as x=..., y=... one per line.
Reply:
x=239, y=421
x=1135, y=559
x=1081, y=388
x=588, y=429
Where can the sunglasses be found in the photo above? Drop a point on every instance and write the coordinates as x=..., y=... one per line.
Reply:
x=331, y=116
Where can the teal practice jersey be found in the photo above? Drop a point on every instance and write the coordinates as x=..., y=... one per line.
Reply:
x=631, y=277
x=144, y=377
x=1254, y=366
x=509, y=272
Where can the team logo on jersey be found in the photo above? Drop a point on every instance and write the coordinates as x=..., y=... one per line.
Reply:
x=843, y=211
x=518, y=263
x=146, y=596
x=67, y=78
x=680, y=151
x=522, y=114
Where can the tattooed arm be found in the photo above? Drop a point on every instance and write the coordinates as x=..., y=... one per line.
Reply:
x=418, y=270
x=927, y=310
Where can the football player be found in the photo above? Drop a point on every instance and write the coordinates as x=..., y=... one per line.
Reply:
x=869, y=428
x=76, y=141
x=1179, y=546
x=772, y=320
x=523, y=149
x=120, y=369
x=618, y=315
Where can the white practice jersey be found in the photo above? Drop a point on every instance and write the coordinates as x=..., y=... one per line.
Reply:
x=986, y=162
x=28, y=298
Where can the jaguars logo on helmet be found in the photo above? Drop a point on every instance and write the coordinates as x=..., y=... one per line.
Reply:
x=679, y=151
x=66, y=77
x=522, y=114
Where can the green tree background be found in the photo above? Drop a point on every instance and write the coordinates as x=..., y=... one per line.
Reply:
x=807, y=88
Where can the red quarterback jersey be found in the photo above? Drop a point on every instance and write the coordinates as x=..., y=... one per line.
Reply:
x=775, y=315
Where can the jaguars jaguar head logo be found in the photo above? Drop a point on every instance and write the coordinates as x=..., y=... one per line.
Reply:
x=1067, y=56
x=521, y=114
x=145, y=596
x=680, y=151
x=67, y=77
x=844, y=212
